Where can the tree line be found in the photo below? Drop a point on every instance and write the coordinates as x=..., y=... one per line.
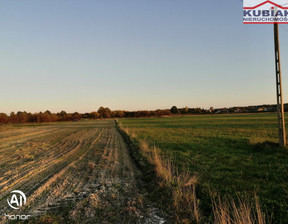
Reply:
x=104, y=112
x=22, y=117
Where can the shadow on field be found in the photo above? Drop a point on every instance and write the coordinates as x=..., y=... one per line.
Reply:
x=268, y=147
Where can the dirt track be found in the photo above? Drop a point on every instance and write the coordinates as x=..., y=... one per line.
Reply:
x=77, y=172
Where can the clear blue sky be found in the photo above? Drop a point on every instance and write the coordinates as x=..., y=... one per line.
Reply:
x=134, y=54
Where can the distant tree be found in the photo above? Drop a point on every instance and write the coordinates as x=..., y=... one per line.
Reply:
x=32, y=118
x=166, y=112
x=53, y=118
x=47, y=116
x=85, y=116
x=104, y=112
x=76, y=116
x=118, y=113
x=108, y=112
x=160, y=113
x=62, y=113
x=101, y=111
x=174, y=110
x=130, y=114
x=39, y=117
x=143, y=113
x=231, y=110
x=94, y=115
x=4, y=119
x=48, y=112
x=198, y=110
x=184, y=110
x=63, y=116
x=22, y=117
x=13, y=118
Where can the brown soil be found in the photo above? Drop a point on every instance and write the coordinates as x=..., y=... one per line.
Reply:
x=78, y=172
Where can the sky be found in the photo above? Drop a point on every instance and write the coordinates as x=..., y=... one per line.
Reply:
x=134, y=55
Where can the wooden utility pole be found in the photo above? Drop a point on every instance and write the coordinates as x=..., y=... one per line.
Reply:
x=280, y=107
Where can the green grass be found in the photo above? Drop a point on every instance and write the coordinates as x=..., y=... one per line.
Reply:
x=225, y=151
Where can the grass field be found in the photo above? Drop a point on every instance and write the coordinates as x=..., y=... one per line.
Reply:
x=228, y=154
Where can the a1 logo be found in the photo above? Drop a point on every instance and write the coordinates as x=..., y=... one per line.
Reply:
x=16, y=199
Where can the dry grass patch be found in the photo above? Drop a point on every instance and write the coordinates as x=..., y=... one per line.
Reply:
x=240, y=212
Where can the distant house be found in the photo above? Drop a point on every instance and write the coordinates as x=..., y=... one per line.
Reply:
x=252, y=109
x=238, y=110
x=262, y=109
x=222, y=111
x=269, y=109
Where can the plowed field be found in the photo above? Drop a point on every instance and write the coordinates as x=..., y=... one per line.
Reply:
x=74, y=172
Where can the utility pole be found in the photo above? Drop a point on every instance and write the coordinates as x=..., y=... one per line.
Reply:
x=280, y=107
